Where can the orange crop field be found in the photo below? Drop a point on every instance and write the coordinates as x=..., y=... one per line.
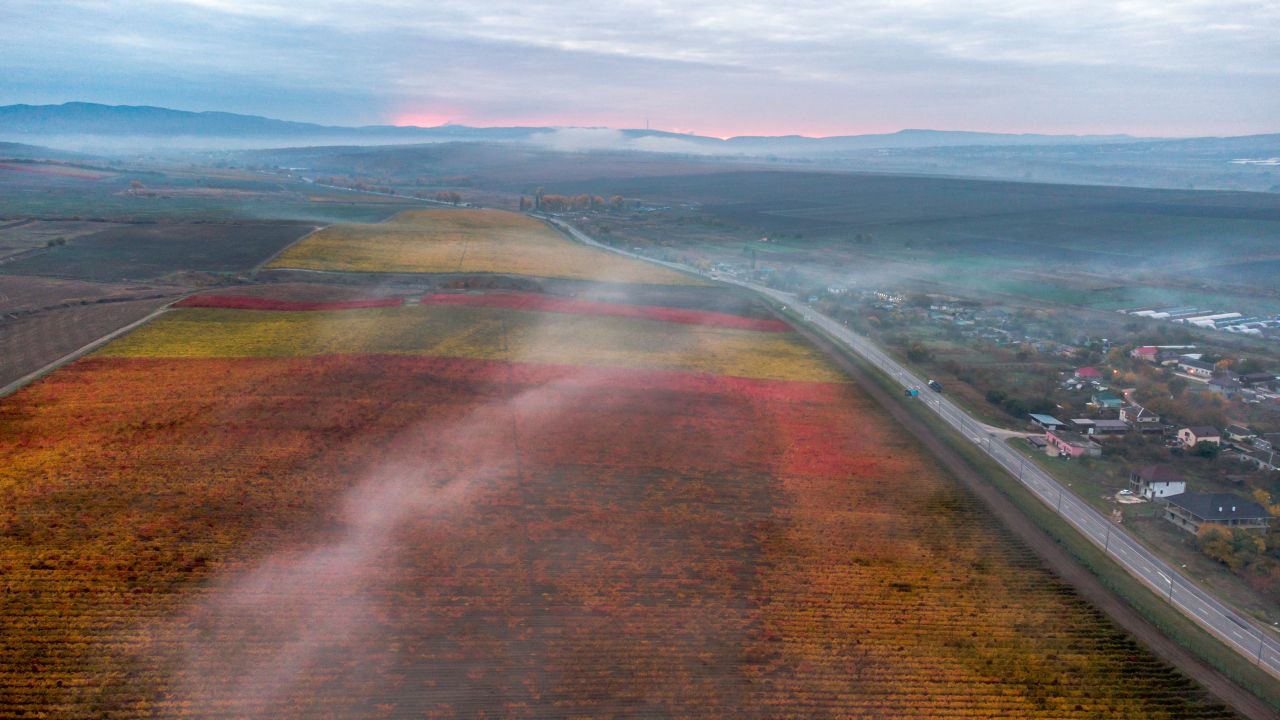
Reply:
x=513, y=509
x=466, y=241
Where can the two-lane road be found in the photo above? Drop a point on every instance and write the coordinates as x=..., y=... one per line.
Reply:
x=1243, y=634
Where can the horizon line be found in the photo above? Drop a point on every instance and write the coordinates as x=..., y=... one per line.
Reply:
x=516, y=124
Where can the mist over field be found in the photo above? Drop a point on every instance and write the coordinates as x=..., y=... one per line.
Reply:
x=730, y=360
x=312, y=607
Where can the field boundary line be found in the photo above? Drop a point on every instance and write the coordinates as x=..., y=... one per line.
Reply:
x=74, y=355
x=314, y=229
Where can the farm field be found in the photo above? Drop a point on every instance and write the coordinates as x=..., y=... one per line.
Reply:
x=579, y=515
x=151, y=251
x=171, y=195
x=44, y=319
x=971, y=237
x=478, y=332
x=19, y=236
x=55, y=169
x=23, y=294
x=30, y=342
x=466, y=241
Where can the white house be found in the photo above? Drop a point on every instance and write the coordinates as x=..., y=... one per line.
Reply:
x=1195, y=368
x=1192, y=436
x=1140, y=418
x=1157, y=481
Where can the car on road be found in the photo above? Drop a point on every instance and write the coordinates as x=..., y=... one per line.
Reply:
x=935, y=386
x=912, y=391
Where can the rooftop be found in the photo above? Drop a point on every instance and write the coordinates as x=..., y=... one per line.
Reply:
x=1142, y=413
x=1159, y=473
x=1073, y=438
x=1203, y=431
x=1258, y=377
x=1219, y=506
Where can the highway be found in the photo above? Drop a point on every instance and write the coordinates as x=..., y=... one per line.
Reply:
x=1245, y=635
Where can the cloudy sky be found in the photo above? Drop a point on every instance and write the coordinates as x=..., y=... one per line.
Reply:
x=815, y=67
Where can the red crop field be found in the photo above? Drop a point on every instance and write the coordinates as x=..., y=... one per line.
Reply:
x=547, y=303
x=411, y=536
x=325, y=501
x=245, y=302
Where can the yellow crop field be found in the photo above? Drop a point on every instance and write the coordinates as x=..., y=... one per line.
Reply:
x=448, y=241
x=478, y=332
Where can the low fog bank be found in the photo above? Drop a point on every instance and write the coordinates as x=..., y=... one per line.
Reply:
x=1202, y=163
x=329, y=612
x=261, y=642
x=126, y=145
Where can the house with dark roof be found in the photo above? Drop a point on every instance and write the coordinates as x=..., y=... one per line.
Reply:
x=1192, y=436
x=1191, y=511
x=1262, y=459
x=1140, y=418
x=1154, y=482
x=1239, y=433
x=1225, y=385
x=1258, y=378
x=1195, y=368
x=1099, y=426
x=1084, y=426
x=1106, y=426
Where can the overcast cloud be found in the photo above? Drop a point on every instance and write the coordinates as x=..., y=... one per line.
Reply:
x=1146, y=67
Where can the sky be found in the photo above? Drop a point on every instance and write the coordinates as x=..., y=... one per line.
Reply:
x=813, y=67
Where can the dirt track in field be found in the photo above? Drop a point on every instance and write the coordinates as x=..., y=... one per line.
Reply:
x=1054, y=556
x=30, y=343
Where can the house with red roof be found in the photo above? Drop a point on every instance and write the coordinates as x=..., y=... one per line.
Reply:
x=1148, y=353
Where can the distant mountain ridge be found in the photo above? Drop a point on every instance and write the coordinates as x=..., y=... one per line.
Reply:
x=1247, y=162
x=82, y=118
